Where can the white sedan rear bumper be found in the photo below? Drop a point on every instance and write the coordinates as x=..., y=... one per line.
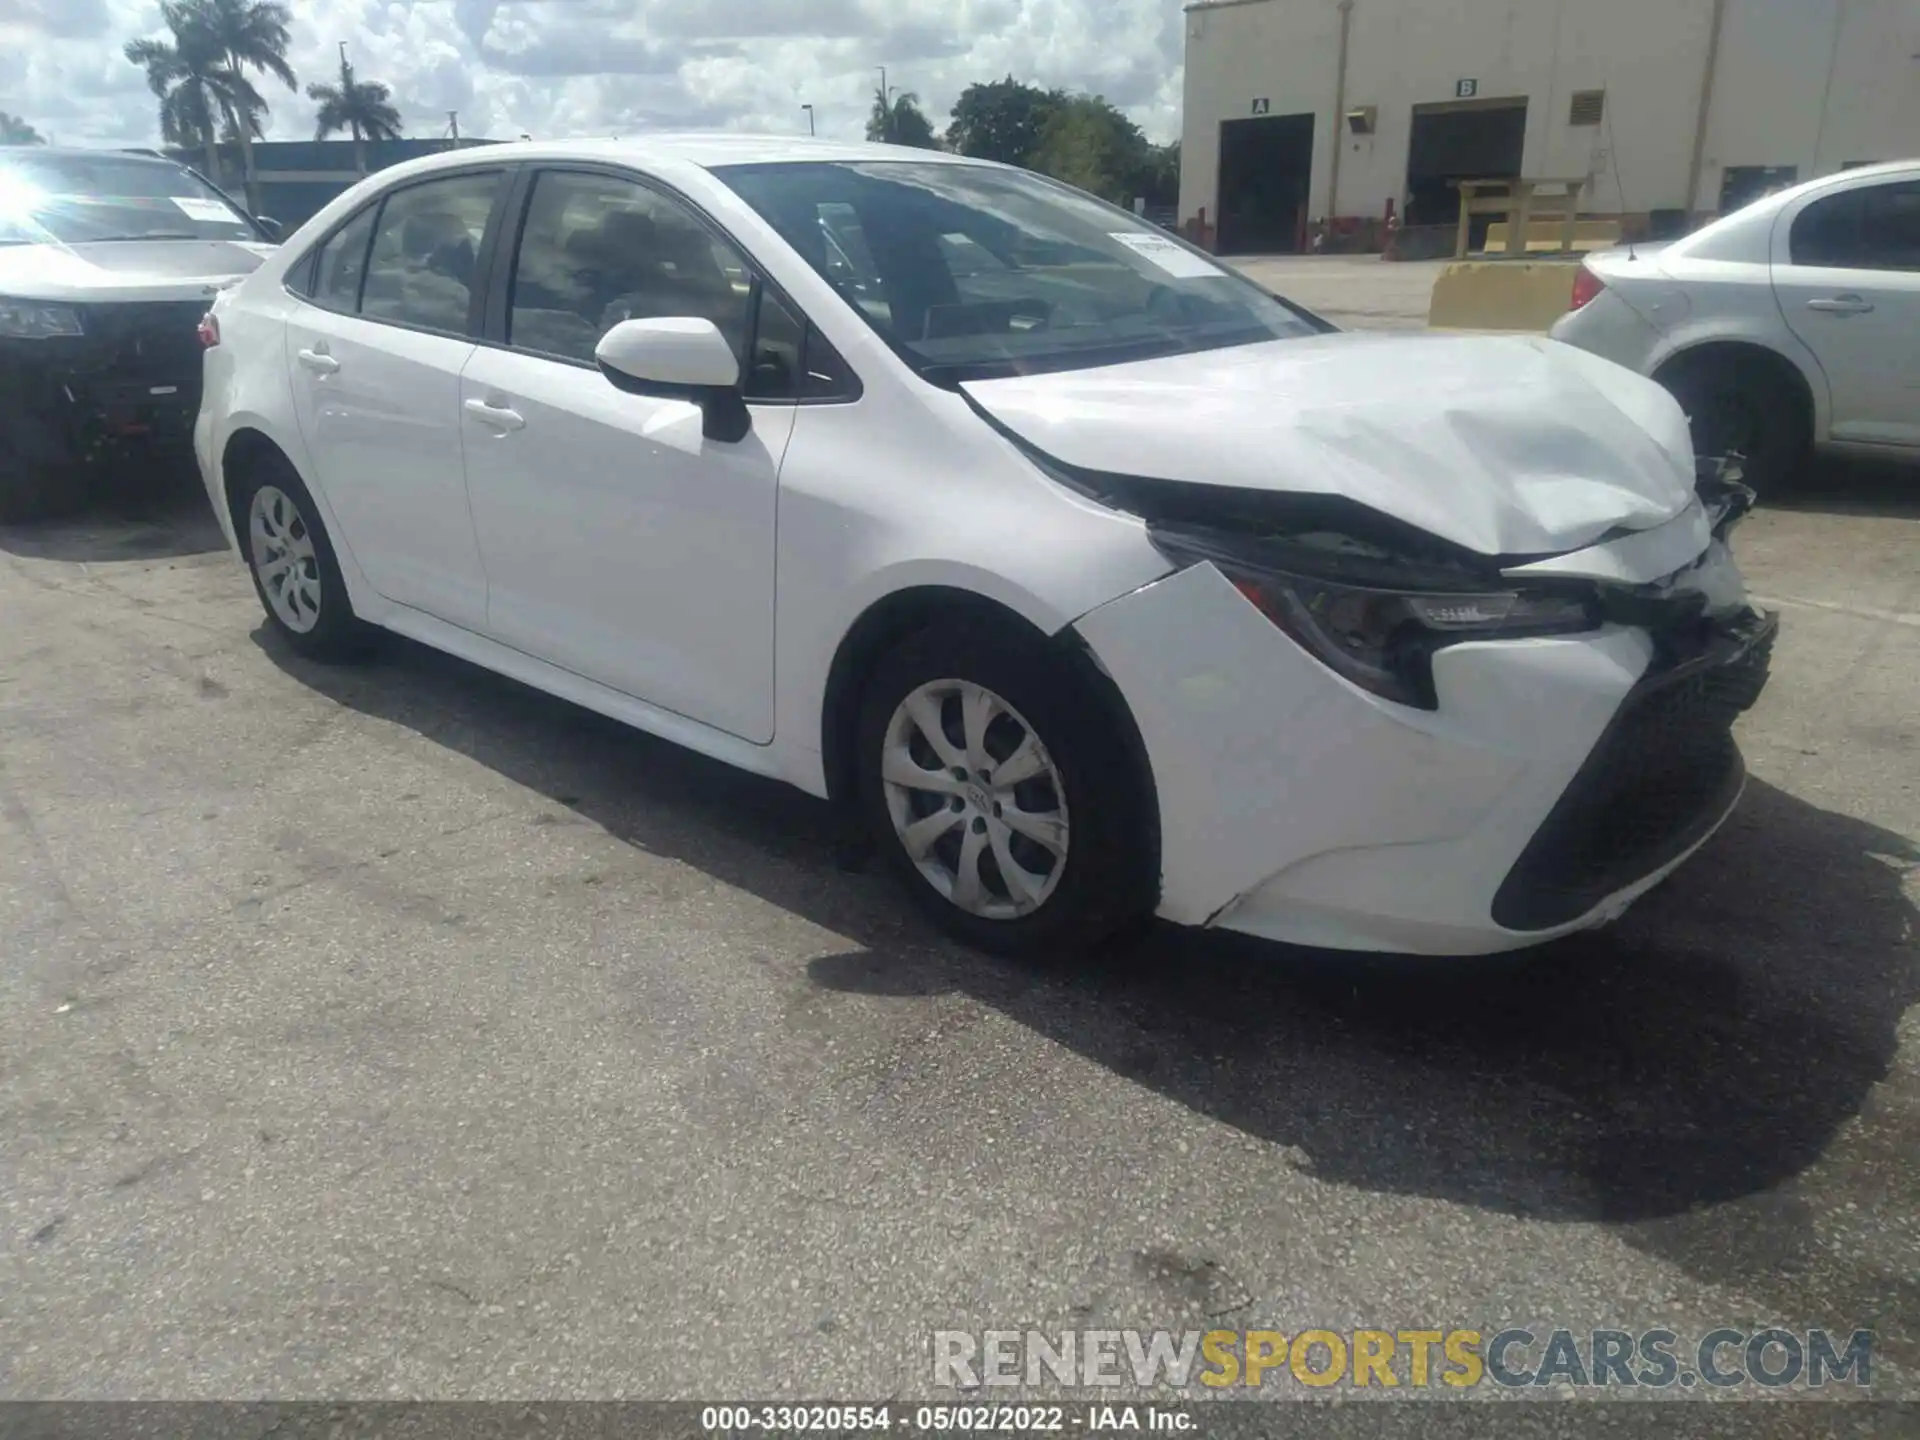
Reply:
x=1298, y=807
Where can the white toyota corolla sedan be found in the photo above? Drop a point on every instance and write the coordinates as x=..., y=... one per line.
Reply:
x=1097, y=581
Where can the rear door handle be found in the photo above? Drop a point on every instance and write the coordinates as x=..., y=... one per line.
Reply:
x=500, y=417
x=319, y=362
x=1842, y=305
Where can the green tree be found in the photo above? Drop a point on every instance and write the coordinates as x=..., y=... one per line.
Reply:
x=15, y=131
x=1160, y=176
x=190, y=78
x=1090, y=144
x=1002, y=120
x=362, y=108
x=897, y=119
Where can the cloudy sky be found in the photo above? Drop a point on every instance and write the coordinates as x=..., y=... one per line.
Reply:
x=595, y=67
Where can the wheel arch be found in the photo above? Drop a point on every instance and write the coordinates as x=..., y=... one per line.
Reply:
x=1707, y=348
x=892, y=618
x=249, y=445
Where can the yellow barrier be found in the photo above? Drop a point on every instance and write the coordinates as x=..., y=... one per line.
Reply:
x=1547, y=236
x=1522, y=295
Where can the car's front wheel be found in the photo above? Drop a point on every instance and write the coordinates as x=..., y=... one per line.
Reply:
x=1003, y=797
x=293, y=566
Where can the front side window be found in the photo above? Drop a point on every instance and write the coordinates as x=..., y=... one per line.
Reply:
x=970, y=271
x=598, y=250
x=93, y=199
x=426, y=245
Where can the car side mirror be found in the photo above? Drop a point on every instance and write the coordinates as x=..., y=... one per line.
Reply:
x=271, y=228
x=682, y=357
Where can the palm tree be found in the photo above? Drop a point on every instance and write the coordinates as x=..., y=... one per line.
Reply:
x=194, y=87
x=363, y=108
x=897, y=119
x=15, y=131
x=247, y=35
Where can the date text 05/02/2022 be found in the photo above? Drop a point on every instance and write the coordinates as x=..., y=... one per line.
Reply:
x=1090, y=1419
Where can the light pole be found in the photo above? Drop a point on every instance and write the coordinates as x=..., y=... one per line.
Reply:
x=886, y=105
x=809, y=110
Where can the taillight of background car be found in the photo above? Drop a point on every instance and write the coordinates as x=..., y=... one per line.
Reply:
x=1586, y=287
x=209, y=330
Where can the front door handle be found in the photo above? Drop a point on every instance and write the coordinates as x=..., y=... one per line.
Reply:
x=500, y=417
x=1842, y=305
x=319, y=362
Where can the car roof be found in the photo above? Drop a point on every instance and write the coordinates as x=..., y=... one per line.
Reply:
x=80, y=152
x=705, y=151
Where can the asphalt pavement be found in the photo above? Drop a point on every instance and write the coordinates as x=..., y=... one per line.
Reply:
x=397, y=1031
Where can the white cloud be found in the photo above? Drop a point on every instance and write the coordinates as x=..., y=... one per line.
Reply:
x=593, y=67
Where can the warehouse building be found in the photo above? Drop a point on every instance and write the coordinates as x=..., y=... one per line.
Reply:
x=1299, y=111
x=295, y=180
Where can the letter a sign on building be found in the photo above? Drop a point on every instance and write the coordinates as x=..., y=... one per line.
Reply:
x=1262, y=105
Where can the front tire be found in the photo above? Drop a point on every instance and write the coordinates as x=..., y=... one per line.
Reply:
x=292, y=563
x=996, y=786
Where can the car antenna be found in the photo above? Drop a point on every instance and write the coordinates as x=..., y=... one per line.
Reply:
x=1613, y=164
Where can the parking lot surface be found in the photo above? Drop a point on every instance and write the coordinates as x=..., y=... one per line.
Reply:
x=398, y=1031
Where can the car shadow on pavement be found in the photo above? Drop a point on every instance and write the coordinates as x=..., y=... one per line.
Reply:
x=1849, y=485
x=1671, y=1077
x=167, y=525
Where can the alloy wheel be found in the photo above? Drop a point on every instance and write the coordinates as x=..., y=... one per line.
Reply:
x=284, y=559
x=976, y=801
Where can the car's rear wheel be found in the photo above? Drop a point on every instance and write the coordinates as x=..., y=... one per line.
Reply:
x=1741, y=405
x=292, y=563
x=1001, y=795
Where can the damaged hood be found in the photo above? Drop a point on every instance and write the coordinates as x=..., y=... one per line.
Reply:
x=1506, y=445
x=116, y=270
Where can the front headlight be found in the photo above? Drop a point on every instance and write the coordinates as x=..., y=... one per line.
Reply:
x=1384, y=639
x=37, y=320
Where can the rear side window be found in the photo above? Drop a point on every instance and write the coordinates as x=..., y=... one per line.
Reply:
x=1891, y=227
x=426, y=245
x=342, y=264
x=1876, y=227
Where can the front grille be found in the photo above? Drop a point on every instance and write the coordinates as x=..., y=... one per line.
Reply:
x=134, y=375
x=137, y=340
x=1661, y=777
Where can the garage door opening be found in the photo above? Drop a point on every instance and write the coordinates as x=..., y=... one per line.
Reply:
x=1462, y=140
x=1266, y=165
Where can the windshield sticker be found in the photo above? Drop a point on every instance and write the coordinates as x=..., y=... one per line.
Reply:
x=1176, y=260
x=206, y=211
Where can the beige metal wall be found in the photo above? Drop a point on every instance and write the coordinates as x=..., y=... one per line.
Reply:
x=1810, y=83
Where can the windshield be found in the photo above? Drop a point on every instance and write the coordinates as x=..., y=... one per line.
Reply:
x=80, y=199
x=971, y=271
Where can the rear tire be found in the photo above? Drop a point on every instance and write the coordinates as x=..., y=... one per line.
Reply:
x=1047, y=846
x=1743, y=405
x=291, y=560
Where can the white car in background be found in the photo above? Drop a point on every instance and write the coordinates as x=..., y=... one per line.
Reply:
x=1792, y=323
x=1095, y=580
